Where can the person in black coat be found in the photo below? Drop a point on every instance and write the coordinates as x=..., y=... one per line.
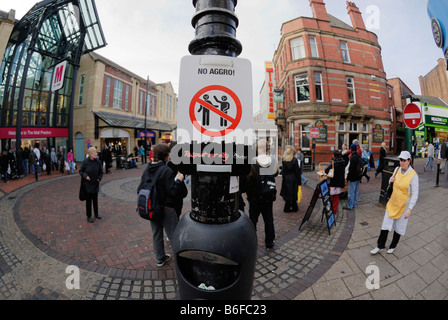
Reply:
x=91, y=172
x=382, y=156
x=290, y=180
x=4, y=166
x=169, y=190
x=354, y=177
x=336, y=183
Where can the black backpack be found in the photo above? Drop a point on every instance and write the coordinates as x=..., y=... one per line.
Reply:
x=362, y=165
x=267, y=188
x=148, y=206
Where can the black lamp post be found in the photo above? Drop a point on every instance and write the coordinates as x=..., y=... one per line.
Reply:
x=215, y=244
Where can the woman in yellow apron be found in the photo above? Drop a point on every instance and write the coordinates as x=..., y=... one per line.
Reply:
x=400, y=205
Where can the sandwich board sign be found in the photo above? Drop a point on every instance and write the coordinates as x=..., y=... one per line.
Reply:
x=322, y=191
x=215, y=108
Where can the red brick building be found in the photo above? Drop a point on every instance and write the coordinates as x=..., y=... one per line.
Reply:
x=333, y=77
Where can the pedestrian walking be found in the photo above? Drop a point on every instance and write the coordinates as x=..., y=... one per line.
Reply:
x=443, y=156
x=354, y=177
x=337, y=182
x=4, y=166
x=169, y=188
x=383, y=153
x=54, y=160
x=25, y=157
x=400, y=205
x=365, y=157
x=107, y=158
x=37, y=153
x=265, y=168
x=61, y=160
x=301, y=159
x=46, y=160
x=430, y=157
x=34, y=163
x=70, y=161
x=142, y=153
x=91, y=172
x=290, y=180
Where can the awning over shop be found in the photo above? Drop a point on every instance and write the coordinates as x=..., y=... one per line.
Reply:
x=128, y=122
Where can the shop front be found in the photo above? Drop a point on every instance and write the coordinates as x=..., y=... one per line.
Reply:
x=434, y=126
x=31, y=137
x=38, y=72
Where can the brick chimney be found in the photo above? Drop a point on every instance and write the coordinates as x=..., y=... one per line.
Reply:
x=319, y=10
x=355, y=16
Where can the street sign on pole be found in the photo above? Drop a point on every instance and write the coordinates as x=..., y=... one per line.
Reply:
x=314, y=133
x=215, y=98
x=412, y=116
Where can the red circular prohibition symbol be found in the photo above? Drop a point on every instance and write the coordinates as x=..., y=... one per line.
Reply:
x=234, y=121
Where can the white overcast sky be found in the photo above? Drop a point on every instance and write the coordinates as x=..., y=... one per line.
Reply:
x=149, y=37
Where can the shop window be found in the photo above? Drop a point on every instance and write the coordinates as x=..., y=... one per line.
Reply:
x=305, y=137
x=302, y=88
x=341, y=126
x=297, y=48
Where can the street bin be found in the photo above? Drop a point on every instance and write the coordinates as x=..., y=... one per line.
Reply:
x=308, y=160
x=212, y=263
x=390, y=163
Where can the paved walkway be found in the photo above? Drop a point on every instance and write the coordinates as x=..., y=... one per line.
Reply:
x=43, y=230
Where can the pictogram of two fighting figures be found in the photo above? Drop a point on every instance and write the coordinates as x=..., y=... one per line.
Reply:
x=224, y=106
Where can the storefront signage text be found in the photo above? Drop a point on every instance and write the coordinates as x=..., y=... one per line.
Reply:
x=11, y=133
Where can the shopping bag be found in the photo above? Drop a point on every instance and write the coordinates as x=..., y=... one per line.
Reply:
x=299, y=195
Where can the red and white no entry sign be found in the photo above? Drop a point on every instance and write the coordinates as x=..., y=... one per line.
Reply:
x=218, y=103
x=412, y=116
x=314, y=133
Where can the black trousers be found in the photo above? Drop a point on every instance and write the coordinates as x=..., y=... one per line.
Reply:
x=383, y=237
x=92, y=197
x=265, y=209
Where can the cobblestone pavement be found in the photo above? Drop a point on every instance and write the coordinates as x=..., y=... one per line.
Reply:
x=43, y=230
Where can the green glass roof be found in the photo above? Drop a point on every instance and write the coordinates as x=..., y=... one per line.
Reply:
x=67, y=24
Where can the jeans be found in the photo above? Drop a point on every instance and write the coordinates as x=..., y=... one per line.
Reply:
x=72, y=167
x=169, y=222
x=430, y=161
x=353, y=190
x=304, y=180
x=26, y=167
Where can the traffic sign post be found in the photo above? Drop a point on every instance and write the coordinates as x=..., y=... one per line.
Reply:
x=412, y=116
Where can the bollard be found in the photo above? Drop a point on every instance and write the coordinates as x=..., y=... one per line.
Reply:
x=438, y=174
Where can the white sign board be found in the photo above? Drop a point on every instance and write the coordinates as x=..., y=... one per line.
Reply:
x=58, y=76
x=215, y=99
